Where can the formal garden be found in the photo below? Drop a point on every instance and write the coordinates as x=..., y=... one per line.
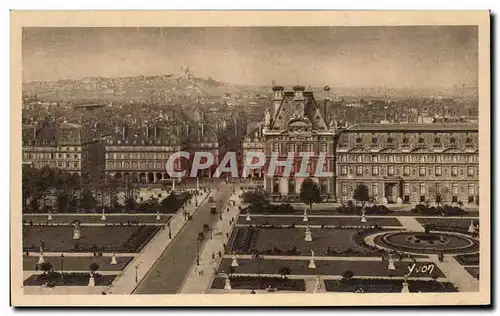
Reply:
x=111, y=238
x=315, y=221
x=118, y=219
x=263, y=265
x=375, y=285
x=260, y=283
x=71, y=263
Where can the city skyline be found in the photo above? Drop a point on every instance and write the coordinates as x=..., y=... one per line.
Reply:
x=437, y=57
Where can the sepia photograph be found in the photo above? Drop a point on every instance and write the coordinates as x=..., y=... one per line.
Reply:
x=291, y=158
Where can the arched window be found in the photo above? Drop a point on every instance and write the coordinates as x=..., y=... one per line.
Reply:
x=420, y=139
x=390, y=140
x=359, y=140
x=437, y=140
x=452, y=140
x=405, y=140
x=374, y=140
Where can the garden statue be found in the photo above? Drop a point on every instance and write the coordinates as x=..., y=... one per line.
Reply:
x=391, y=263
x=227, y=284
x=113, y=259
x=308, y=236
x=267, y=118
x=103, y=217
x=49, y=218
x=312, y=264
x=40, y=258
x=472, y=228
x=91, y=280
x=76, y=231
x=158, y=216
x=318, y=288
x=234, y=263
x=363, y=215
x=305, y=219
x=248, y=217
x=405, y=288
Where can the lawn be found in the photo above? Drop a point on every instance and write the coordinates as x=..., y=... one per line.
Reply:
x=387, y=286
x=327, y=221
x=78, y=263
x=330, y=267
x=93, y=238
x=110, y=219
x=268, y=240
x=474, y=271
x=468, y=260
x=256, y=283
x=462, y=223
x=70, y=279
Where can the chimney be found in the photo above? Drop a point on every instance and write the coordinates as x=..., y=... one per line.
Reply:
x=298, y=92
x=277, y=98
x=327, y=98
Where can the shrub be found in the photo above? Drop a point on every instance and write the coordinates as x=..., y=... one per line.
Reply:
x=347, y=275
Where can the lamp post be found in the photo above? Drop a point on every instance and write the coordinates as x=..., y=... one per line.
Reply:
x=136, y=277
x=198, y=252
x=62, y=267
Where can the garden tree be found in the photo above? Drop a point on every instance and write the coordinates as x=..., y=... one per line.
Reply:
x=257, y=257
x=88, y=201
x=93, y=267
x=29, y=193
x=284, y=271
x=310, y=192
x=438, y=192
x=46, y=267
x=361, y=194
x=256, y=197
x=347, y=275
x=62, y=201
x=45, y=182
x=130, y=203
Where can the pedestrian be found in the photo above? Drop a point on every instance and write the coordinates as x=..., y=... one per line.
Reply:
x=201, y=272
x=213, y=256
x=220, y=254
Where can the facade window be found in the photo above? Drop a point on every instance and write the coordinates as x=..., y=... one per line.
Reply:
x=126, y=164
x=422, y=171
x=374, y=158
x=359, y=158
x=470, y=171
x=454, y=189
x=276, y=186
x=390, y=170
x=406, y=188
x=118, y=165
x=275, y=148
x=470, y=159
x=359, y=170
x=291, y=186
x=469, y=140
x=323, y=147
x=471, y=190
x=405, y=140
x=135, y=165
x=420, y=140
x=437, y=140
x=359, y=140
x=406, y=170
x=406, y=158
x=391, y=158
x=438, y=158
x=390, y=140
x=452, y=140
x=343, y=170
x=375, y=170
x=438, y=171
x=422, y=158
x=454, y=171
x=343, y=188
x=323, y=186
x=422, y=189
x=292, y=148
x=374, y=140
x=375, y=188
x=67, y=165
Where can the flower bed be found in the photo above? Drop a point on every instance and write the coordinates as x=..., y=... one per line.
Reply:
x=445, y=210
x=369, y=210
x=260, y=283
x=468, y=260
x=173, y=202
x=386, y=286
x=474, y=271
x=77, y=263
x=70, y=279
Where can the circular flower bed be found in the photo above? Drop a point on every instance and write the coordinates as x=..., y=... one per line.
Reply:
x=431, y=243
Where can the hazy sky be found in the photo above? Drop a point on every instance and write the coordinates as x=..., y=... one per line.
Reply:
x=395, y=57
